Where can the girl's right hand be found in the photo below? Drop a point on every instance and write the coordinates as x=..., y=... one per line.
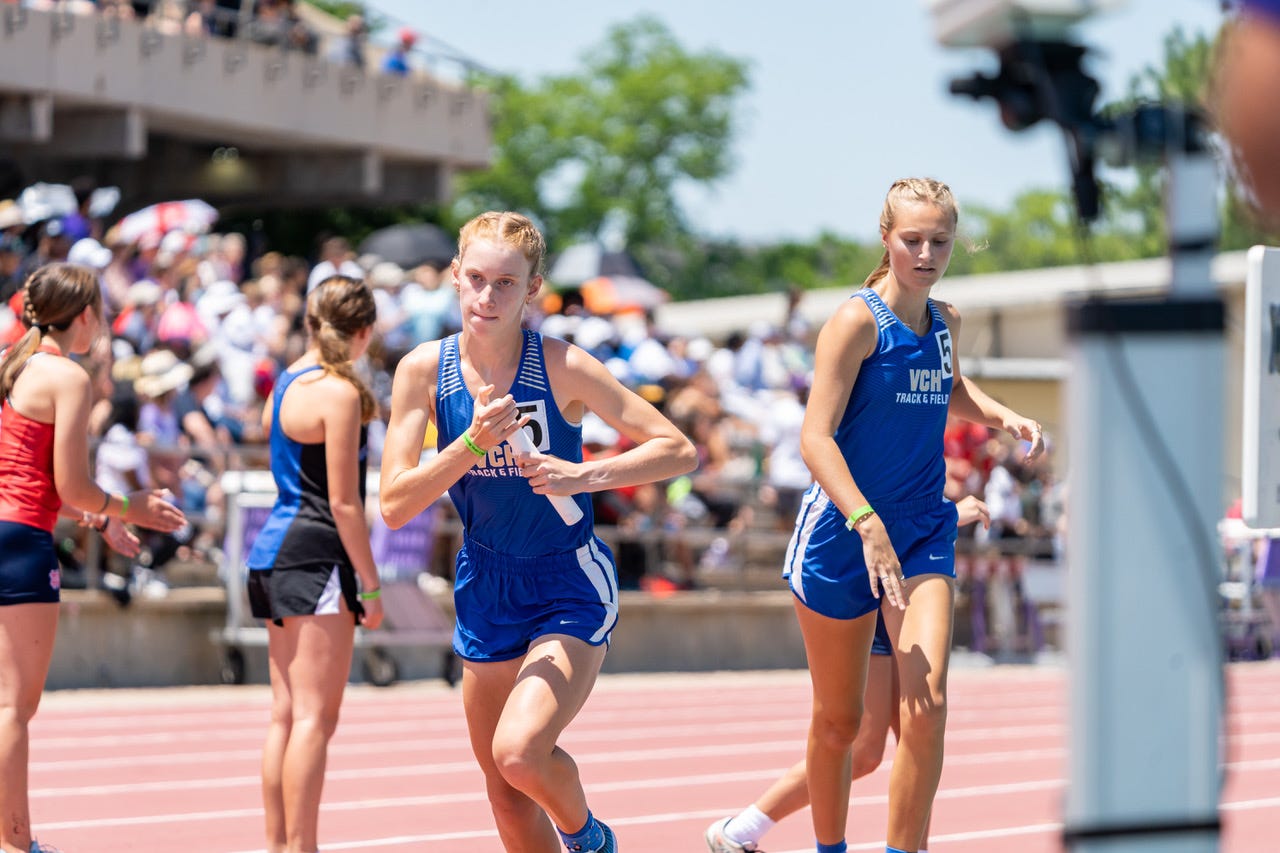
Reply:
x=152, y=508
x=493, y=421
x=883, y=568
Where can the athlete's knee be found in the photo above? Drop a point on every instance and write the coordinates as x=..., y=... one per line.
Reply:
x=510, y=806
x=281, y=713
x=20, y=709
x=322, y=718
x=866, y=758
x=519, y=761
x=836, y=728
x=926, y=718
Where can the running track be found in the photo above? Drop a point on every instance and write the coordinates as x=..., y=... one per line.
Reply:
x=177, y=769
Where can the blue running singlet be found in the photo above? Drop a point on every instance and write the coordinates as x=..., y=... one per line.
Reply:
x=497, y=506
x=890, y=435
x=891, y=432
x=300, y=530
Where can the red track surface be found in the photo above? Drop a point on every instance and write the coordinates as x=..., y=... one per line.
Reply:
x=177, y=770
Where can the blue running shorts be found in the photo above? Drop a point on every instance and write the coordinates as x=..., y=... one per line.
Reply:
x=504, y=602
x=28, y=565
x=825, y=565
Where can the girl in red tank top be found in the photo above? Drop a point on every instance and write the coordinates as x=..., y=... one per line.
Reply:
x=44, y=452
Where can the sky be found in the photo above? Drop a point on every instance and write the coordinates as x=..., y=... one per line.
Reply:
x=846, y=96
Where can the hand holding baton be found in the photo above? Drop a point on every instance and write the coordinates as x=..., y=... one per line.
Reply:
x=566, y=506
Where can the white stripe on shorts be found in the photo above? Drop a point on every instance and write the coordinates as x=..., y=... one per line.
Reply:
x=331, y=599
x=596, y=568
x=815, y=503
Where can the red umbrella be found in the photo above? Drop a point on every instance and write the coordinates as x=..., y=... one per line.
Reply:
x=151, y=223
x=613, y=294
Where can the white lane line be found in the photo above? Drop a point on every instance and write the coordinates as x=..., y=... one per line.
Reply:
x=670, y=817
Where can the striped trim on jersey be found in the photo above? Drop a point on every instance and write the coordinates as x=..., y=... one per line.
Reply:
x=449, y=370
x=596, y=568
x=884, y=317
x=811, y=509
x=532, y=373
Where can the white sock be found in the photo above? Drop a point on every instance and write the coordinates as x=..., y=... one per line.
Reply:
x=749, y=826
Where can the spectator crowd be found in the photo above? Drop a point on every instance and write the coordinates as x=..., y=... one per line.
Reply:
x=200, y=330
x=273, y=23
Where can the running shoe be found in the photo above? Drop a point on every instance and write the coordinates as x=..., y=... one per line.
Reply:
x=37, y=847
x=610, y=843
x=718, y=843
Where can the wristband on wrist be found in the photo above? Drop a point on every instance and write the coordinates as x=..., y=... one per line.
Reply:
x=858, y=515
x=472, y=446
x=124, y=504
x=371, y=595
x=102, y=528
x=106, y=501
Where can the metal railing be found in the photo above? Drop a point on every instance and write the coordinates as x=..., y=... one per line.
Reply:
x=259, y=22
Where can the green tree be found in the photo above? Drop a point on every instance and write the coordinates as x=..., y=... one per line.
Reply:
x=609, y=146
x=1183, y=76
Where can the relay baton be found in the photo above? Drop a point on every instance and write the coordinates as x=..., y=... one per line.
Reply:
x=568, y=508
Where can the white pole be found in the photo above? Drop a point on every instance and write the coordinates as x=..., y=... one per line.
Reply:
x=1145, y=423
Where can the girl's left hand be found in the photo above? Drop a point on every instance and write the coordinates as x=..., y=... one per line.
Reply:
x=549, y=475
x=372, y=618
x=1026, y=430
x=121, y=540
x=970, y=509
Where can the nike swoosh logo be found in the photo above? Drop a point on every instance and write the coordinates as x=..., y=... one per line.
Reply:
x=937, y=556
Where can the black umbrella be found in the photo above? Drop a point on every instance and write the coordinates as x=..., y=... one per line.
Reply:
x=411, y=245
x=584, y=261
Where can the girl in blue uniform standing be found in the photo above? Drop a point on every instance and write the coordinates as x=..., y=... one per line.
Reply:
x=305, y=562
x=741, y=833
x=536, y=595
x=886, y=373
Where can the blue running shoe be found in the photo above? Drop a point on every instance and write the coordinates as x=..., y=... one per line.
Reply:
x=610, y=843
x=37, y=847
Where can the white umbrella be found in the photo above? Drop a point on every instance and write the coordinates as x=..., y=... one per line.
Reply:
x=45, y=201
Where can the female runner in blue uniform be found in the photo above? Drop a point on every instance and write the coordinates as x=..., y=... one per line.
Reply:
x=741, y=833
x=536, y=597
x=305, y=561
x=886, y=373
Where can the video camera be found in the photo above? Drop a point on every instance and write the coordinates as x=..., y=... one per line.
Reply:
x=1042, y=76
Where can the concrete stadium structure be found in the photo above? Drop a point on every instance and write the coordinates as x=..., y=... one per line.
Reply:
x=165, y=116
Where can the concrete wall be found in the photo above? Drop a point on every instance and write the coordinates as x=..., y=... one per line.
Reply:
x=168, y=641
x=149, y=643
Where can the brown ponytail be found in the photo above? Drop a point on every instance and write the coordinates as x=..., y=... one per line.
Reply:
x=879, y=271
x=52, y=298
x=337, y=309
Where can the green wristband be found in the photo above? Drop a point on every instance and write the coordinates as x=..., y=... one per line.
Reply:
x=124, y=504
x=371, y=595
x=858, y=515
x=472, y=446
